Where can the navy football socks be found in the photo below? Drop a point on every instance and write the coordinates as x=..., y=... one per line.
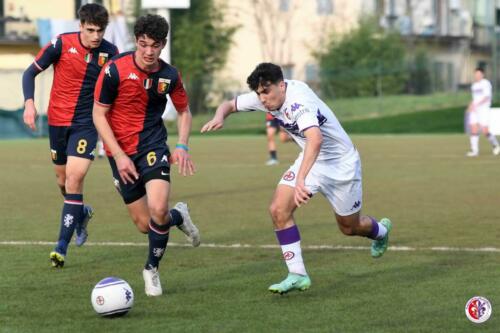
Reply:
x=175, y=218
x=158, y=239
x=72, y=214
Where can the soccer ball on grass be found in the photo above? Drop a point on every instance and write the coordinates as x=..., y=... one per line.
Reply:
x=112, y=297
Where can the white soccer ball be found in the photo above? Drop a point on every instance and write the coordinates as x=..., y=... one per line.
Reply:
x=112, y=297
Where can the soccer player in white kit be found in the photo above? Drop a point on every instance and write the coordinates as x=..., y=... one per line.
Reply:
x=329, y=163
x=479, y=113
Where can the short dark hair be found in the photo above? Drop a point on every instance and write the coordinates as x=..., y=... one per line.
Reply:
x=481, y=69
x=93, y=13
x=264, y=74
x=153, y=26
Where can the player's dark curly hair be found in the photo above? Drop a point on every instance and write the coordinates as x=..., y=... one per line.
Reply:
x=264, y=74
x=94, y=13
x=153, y=26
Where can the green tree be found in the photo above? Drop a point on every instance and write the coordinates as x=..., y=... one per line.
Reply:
x=365, y=62
x=200, y=44
x=420, y=79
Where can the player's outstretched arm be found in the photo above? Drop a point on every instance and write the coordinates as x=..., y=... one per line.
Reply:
x=217, y=122
x=181, y=156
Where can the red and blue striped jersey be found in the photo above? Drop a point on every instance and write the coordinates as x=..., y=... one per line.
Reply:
x=76, y=69
x=137, y=100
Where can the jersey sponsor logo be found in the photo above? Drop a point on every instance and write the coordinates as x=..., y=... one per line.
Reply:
x=163, y=85
x=103, y=57
x=88, y=58
x=478, y=309
x=288, y=255
x=148, y=83
x=73, y=50
x=133, y=76
x=289, y=176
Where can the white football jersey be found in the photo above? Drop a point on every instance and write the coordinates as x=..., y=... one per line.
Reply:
x=303, y=109
x=480, y=90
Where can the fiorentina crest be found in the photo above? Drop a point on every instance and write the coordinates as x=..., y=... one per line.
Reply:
x=103, y=57
x=163, y=85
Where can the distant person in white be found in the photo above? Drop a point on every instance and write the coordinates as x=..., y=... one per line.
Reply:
x=329, y=163
x=479, y=113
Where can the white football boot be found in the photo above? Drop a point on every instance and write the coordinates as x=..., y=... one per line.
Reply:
x=152, y=284
x=187, y=227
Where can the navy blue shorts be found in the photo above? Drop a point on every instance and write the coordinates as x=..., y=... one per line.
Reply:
x=273, y=123
x=150, y=164
x=79, y=141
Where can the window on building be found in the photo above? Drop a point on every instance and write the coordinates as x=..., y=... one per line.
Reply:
x=324, y=7
x=285, y=5
x=287, y=71
x=312, y=74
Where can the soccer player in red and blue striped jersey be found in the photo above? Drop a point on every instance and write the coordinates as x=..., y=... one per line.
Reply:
x=77, y=58
x=130, y=97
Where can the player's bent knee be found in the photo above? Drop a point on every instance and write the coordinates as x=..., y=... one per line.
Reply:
x=279, y=214
x=158, y=212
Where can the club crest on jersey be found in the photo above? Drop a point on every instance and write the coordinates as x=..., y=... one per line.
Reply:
x=163, y=85
x=148, y=83
x=88, y=58
x=103, y=57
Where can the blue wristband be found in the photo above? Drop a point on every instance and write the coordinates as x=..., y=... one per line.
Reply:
x=182, y=146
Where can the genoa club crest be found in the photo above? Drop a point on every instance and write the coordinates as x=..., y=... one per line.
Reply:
x=163, y=85
x=103, y=57
x=148, y=83
x=88, y=57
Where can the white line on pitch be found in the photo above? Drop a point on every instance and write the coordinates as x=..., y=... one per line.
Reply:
x=253, y=246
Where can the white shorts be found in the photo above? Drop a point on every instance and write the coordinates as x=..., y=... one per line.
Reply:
x=338, y=180
x=480, y=116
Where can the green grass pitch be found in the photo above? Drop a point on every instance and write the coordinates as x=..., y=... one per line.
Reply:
x=444, y=207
